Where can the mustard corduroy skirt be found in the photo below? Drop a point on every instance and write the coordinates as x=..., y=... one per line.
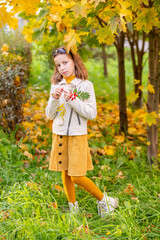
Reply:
x=70, y=153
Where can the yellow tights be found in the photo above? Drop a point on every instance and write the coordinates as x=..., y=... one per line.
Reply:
x=84, y=182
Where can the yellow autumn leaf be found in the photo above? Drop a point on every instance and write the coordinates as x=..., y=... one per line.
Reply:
x=96, y=2
x=23, y=147
x=120, y=175
x=72, y=38
x=132, y=130
x=101, y=151
x=63, y=24
x=7, y=18
x=141, y=87
x=150, y=118
x=29, y=7
x=27, y=154
x=136, y=81
x=28, y=125
x=120, y=139
x=59, y=188
x=150, y=88
x=79, y=10
x=141, y=139
x=17, y=80
x=132, y=97
x=109, y=150
x=146, y=19
x=19, y=58
x=124, y=12
x=122, y=24
x=105, y=35
x=8, y=68
x=27, y=32
x=5, y=47
x=148, y=143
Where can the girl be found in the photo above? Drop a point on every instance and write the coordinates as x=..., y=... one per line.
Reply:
x=72, y=102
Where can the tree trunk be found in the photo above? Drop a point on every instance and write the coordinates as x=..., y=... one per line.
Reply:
x=133, y=39
x=157, y=92
x=104, y=57
x=151, y=149
x=122, y=88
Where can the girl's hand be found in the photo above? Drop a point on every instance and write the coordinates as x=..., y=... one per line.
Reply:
x=57, y=93
x=67, y=95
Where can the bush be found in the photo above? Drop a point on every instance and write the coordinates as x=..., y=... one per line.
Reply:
x=14, y=73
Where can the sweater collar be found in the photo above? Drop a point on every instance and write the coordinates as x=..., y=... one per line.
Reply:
x=75, y=82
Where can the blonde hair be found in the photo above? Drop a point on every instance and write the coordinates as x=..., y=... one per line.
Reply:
x=80, y=69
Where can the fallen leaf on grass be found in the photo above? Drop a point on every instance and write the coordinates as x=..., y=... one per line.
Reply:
x=101, y=151
x=135, y=199
x=92, y=151
x=53, y=204
x=1, y=180
x=2, y=237
x=47, y=159
x=96, y=161
x=138, y=148
x=43, y=152
x=132, y=130
x=109, y=150
x=27, y=154
x=94, y=177
x=120, y=175
x=89, y=215
x=40, y=151
x=105, y=167
x=120, y=139
x=26, y=164
x=84, y=228
x=33, y=186
x=44, y=166
x=130, y=138
x=59, y=188
x=129, y=190
x=33, y=174
x=6, y=214
x=130, y=153
x=23, y=147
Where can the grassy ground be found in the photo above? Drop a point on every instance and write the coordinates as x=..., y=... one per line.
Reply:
x=32, y=201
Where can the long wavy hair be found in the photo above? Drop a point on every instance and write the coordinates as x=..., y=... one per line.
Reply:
x=80, y=69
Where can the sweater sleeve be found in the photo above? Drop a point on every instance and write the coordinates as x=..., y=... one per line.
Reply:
x=87, y=109
x=52, y=105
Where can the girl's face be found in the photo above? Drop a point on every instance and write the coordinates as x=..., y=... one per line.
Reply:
x=65, y=65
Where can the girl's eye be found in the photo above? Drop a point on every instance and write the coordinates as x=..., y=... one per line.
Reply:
x=58, y=65
x=64, y=62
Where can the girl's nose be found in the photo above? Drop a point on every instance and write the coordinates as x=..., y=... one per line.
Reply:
x=61, y=67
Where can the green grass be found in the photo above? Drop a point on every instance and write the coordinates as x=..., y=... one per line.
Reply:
x=27, y=212
x=28, y=195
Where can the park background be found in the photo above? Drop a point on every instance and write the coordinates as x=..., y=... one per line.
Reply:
x=32, y=201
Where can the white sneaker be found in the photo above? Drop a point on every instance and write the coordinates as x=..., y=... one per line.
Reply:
x=73, y=207
x=107, y=205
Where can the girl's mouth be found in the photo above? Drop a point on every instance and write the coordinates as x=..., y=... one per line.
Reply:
x=64, y=73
